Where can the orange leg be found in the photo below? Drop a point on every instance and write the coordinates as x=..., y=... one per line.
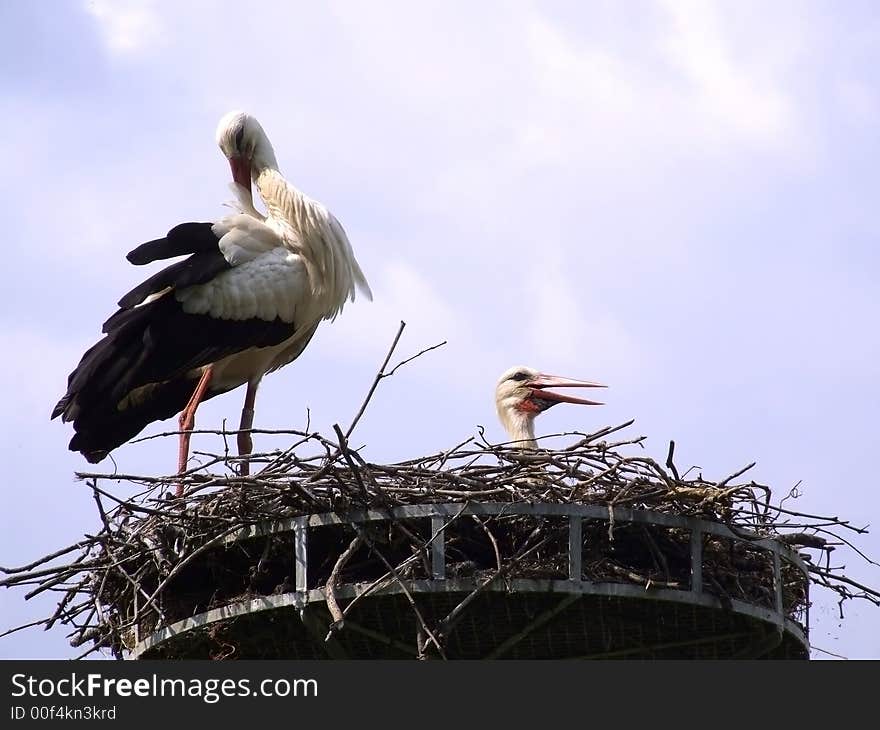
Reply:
x=245, y=444
x=188, y=421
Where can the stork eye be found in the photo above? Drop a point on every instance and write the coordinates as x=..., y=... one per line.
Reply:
x=239, y=138
x=519, y=376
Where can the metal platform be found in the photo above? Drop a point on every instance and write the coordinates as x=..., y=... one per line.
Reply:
x=557, y=616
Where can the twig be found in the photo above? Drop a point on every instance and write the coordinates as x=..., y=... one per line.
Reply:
x=410, y=359
x=669, y=462
x=330, y=587
x=379, y=376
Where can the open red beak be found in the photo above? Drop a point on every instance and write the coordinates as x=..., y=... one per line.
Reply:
x=544, y=399
x=241, y=172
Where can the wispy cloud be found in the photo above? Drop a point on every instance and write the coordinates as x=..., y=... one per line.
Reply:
x=608, y=98
x=735, y=96
x=128, y=26
x=364, y=330
x=572, y=331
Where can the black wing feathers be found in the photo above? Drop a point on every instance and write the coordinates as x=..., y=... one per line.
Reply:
x=157, y=342
x=204, y=263
x=197, y=269
x=107, y=427
x=157, y=345
x=179, y=241
x=145, y=368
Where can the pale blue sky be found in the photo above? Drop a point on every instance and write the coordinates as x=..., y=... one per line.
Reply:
x=675, y=198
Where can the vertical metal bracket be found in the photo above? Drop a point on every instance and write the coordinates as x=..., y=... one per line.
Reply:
x=300, y=554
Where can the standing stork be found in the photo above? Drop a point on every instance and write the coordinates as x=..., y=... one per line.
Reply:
x=521, y=395
x=245, y=301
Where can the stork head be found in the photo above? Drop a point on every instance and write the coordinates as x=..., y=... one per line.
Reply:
x=521, y=394
x=246, y=146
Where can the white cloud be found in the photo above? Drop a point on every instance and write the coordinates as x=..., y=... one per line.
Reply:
x=400, y=293
x=565, y=69
x=128, y=26
x=606, y=102
x=744, y=100
x=572, y=332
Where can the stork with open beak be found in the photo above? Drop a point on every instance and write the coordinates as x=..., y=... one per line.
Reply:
x=245, y=301
x=521, y=395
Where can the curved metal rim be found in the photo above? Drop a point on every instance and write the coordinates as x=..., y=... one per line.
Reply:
x=300, y=599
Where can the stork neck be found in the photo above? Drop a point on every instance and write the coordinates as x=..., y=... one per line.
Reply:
x=263, y=158
x=289, y=209
x=273, y=188
x=304, y=223
x=522, y=430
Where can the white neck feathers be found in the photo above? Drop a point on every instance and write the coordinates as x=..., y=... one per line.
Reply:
x=519, y=426
x=310, y=230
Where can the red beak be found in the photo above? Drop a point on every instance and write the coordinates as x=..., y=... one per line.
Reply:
x=544, y=399
x=241, y=172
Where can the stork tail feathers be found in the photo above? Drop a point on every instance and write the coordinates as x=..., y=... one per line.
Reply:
x=100, y=431
x=146, y=367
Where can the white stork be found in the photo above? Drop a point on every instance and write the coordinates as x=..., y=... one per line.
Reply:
x=521, y=396
x=245, y=301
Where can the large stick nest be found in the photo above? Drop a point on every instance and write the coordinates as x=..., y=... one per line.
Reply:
x=157, y=559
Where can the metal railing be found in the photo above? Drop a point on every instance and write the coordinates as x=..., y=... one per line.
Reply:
x=440, y=515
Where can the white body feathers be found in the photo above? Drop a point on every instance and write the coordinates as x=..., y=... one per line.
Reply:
x=296, y=264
